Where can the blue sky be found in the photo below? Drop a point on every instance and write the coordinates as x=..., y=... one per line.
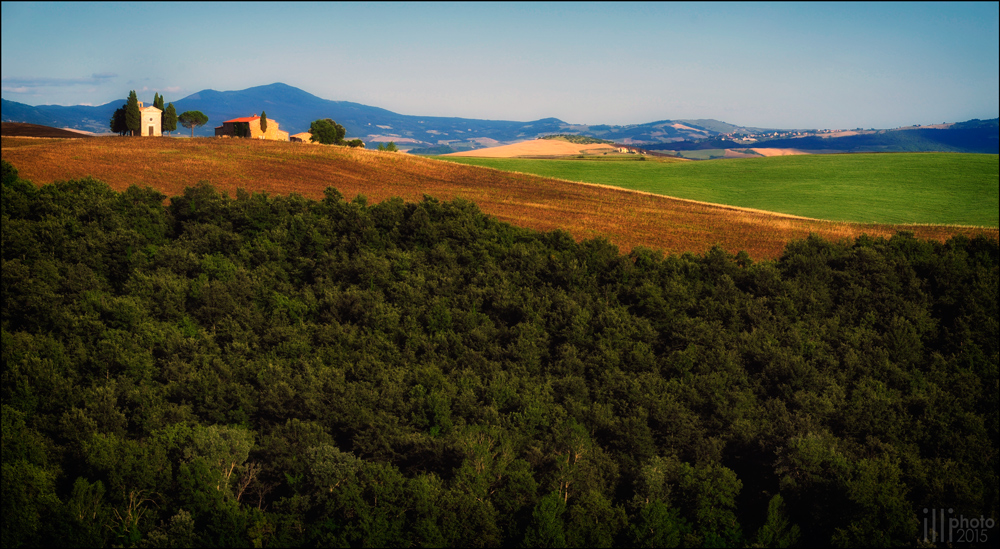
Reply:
x=785, y=65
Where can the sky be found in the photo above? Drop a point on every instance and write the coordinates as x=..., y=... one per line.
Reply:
x=777, y=65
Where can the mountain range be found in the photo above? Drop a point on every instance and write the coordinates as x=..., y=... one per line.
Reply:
x=294, y=109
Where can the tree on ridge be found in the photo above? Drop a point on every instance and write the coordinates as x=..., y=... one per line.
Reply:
x=192, y=120
x=118, y=124
x=158, y=103
x=327, y=131
x=169, y=119
x=133, y=117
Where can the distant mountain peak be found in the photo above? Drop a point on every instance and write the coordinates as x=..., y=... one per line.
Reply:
x=295, y=109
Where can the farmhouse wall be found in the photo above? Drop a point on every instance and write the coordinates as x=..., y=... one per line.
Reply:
x=225, y=130
x=228, y=129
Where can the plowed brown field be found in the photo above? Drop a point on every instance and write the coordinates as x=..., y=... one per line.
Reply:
x=21, y=129
x=626, y=218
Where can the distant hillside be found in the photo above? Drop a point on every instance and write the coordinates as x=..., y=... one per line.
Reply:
x=697, y=145
x=20, y=129
x=661, y=131
x=295, y=109
x=581, y=139
x=78, y=117
x=975, y=136
x=722, y=127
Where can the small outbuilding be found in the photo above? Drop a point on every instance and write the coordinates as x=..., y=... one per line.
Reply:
x=228, y=129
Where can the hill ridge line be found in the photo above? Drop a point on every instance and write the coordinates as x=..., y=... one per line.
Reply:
x=627, y=218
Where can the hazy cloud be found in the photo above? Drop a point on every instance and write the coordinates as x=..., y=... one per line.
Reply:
x=25, y=85
x=169, y=89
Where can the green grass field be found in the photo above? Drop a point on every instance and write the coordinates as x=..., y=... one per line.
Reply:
x=934, y=188
x=704, y=154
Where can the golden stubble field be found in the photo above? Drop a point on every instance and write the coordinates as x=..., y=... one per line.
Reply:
x=540, y=147
x=626, y=218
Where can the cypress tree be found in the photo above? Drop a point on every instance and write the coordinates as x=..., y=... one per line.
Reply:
x=170, y=119
x=158, y=103
x=263, y=122
x=118, y=120
x=133, y=118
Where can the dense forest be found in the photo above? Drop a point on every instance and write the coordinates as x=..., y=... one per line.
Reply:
x=275, y=371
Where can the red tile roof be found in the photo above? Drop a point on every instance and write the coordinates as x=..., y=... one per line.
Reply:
x=244, y=119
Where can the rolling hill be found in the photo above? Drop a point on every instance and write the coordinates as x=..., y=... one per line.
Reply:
x=935, y=188
x=626, y=218
x=972, y=136
x=975, y=136
x=541, y=147
x=20, y=129
x=78, y=117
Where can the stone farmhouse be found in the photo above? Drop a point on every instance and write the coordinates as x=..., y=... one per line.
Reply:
x=151, y=118
x=228, y=129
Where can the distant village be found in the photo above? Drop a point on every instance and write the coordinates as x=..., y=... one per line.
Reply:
x=745, y=137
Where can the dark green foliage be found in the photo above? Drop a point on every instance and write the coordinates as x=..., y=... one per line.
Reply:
x=170, y=119
x=133, y=116
x=118, y=123
x=263, y=121
x=327, y=132
x=192, y=120
x=158, y=103
x=278, y=371
x=241, y=129
x=438, y=149
x=776, y=531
